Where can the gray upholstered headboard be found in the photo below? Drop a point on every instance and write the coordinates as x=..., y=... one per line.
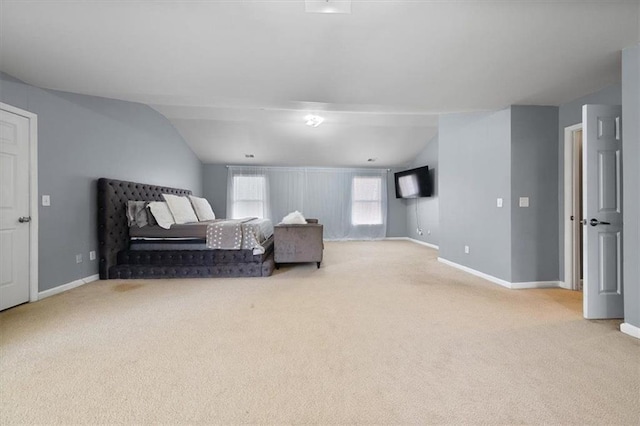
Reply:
x=113, y=230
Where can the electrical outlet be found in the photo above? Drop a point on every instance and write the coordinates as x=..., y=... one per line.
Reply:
x=78, y=258
x=419, y=231
x=524, y=202
x=92, y=255
x=46, y=200
x=499, y=202
x=466, y=249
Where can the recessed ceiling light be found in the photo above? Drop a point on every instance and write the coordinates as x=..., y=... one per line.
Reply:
x=249, y=156
x=313, y=120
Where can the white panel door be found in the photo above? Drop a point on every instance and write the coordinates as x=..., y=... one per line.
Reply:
x=602, y=211
x=14, y=209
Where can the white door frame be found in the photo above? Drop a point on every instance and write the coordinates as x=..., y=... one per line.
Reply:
x=33, y=196
x=568, y=204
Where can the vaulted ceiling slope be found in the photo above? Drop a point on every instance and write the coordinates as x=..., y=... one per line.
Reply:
x=237, y=77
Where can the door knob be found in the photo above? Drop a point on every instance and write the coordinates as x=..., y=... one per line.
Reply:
x=596, y=222
x=24, y=219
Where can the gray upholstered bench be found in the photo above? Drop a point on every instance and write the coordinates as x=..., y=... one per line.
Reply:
x=298, y=243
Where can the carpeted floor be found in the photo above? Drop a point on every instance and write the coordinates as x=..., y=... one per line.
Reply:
x=382, y=333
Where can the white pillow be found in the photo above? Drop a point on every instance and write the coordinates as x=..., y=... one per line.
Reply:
x=180, y=208
x=162, y=214
x=202, y=207
x=294, y=218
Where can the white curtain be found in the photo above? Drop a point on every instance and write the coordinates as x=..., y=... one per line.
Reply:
x=350, y=203
x=247, y=194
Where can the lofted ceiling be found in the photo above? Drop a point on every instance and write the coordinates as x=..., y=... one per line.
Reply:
x=237, y=77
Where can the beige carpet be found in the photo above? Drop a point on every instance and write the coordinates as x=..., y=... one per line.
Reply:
x=382, y=333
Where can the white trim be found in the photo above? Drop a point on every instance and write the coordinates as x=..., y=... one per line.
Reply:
x=423, y=243
x=68, y=286
x=568, y=204
x=487, y=277
x=433, y=246
x=507, y=284
x=631, y=330
x=537, y=284
x=33, y=196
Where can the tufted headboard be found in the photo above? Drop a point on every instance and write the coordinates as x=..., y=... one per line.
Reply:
x=113, y=230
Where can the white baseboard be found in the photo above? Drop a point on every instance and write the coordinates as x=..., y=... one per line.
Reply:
x=537, y=284
x=423, y=243
x=67, y=286
x=631, y=330
x=487, y=277
x=504, y=283
x=413, y=240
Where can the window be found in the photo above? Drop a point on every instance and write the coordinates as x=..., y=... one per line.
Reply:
x=366, y=201
x=249, y=196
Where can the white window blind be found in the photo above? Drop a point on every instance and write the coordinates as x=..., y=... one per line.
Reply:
x=366, y=201
x=249, y=196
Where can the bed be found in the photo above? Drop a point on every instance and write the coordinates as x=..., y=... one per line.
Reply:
x=148, y=255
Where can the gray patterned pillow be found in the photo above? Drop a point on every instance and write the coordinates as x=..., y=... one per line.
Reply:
x=152, y=220
x=137, y=213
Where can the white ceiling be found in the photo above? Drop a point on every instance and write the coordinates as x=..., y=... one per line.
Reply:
x=237, y=77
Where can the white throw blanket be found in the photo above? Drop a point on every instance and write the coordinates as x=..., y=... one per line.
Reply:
x=239, y=234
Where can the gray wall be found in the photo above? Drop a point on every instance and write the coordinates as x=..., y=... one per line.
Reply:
x=568, y=115
x=82, y=138
x=428, y=207
x=396, y=210
x=214, y=188
x=631, y=182
x=504, y=154
x=534, y=234
x=474, y=170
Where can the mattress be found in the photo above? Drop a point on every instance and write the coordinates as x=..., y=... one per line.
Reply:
x=164, y=255
x=187, y=230
x=198, y=235
x=168, y=244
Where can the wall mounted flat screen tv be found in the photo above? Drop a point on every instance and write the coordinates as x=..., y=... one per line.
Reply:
x=413, y=183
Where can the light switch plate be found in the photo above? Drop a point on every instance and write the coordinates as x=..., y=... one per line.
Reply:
x=499, y=202
x=524, y=201
x=46, y=200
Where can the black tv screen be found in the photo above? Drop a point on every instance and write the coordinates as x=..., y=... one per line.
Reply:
x=413, y=183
